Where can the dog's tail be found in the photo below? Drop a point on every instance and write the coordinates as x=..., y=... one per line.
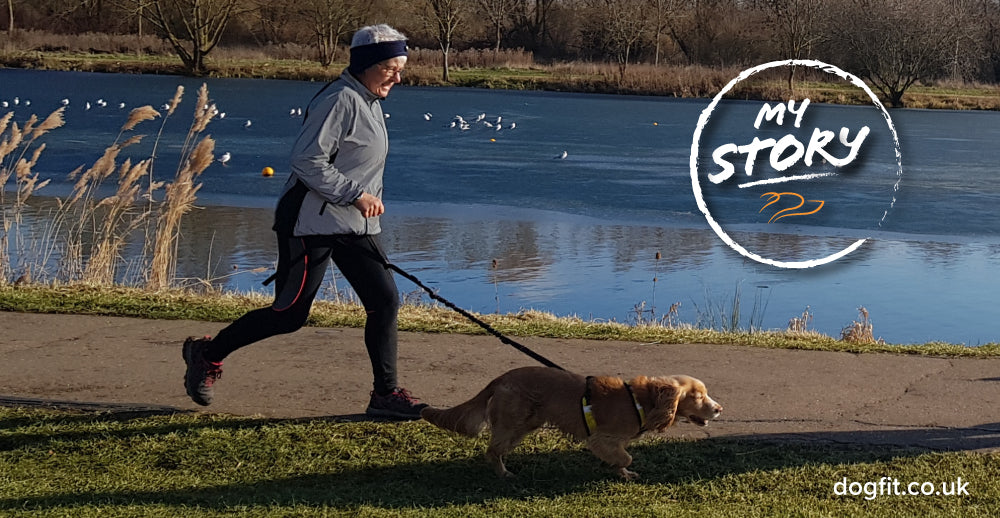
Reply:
x=468, y=418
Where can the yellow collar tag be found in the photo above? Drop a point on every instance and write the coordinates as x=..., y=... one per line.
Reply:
x=588, y=416
x=638, y=408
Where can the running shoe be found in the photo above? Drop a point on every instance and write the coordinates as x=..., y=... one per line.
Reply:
x=201, y=374
x=398, y=404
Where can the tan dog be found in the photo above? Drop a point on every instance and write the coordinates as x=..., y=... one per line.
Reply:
x=524, y=399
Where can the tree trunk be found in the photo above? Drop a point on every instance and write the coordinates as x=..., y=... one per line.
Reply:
x=326, y=44
x=896, y=99
x=444, y=55
x=192, y=27
x=622, y=66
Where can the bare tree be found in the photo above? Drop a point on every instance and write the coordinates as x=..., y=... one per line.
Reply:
x=498, y=13
x=908, y=41
x=796, y=27
x=275, y=23
x=694, y=28
x=531, y=18
x=662, y=11
x=974, y=52
x=619, y=26
x=329, y=21
x=193, y=27
x=443, y=17
x=133, y=9
x=989, y=17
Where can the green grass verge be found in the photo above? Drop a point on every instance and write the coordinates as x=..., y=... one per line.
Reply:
x=180, y=304
x=58, y=463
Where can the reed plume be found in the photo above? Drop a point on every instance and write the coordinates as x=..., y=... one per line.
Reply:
x=102, y=223
x=175, y=100
x=53, y=121
x=137, y=115
x=180, y=194
x=170, y=107
x=107, y=222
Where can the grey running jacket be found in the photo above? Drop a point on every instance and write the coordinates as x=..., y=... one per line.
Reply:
x=339, y=154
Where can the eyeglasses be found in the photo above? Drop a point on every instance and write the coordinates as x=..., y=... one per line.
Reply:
x=392, y=71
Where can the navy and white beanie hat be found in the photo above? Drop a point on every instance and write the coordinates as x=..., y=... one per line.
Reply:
x=375, y=44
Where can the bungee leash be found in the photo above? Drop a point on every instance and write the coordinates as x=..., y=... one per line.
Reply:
x=449, y=304
x=489, y=329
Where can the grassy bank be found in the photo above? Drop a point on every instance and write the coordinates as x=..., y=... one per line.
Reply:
x=429, y=318
x=83, y=464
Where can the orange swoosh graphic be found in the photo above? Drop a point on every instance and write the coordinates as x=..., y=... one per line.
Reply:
x=784, y=213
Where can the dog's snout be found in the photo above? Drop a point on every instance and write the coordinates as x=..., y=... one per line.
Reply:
x=718, y=409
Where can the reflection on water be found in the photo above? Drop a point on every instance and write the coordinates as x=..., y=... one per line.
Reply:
x=217, y=240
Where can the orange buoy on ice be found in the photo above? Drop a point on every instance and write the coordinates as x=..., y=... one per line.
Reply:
x=267, y=171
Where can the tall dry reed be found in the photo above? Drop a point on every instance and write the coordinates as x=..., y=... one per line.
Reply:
x=118, y=218
x=98, y=226
x=15, y=146
x=180, y=195
x=92, y=225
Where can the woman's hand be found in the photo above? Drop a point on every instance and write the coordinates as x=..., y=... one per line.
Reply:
x=369, y=205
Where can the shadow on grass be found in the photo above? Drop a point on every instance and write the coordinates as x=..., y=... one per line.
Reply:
x=73, y=413
x=463, y=480
x=76, y=414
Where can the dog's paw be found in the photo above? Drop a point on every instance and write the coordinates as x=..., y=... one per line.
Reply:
x=628, y=475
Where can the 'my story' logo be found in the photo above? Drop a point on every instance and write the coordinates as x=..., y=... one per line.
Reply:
x=795, y=169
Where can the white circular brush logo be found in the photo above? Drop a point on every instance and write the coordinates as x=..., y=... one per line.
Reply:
x=760, y=169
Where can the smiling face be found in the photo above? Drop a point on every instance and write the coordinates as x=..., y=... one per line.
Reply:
x=381, y=77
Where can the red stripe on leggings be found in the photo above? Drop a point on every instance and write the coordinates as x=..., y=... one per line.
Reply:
x=302, y=283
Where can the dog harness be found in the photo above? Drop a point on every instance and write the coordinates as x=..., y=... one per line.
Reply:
x=590, y=424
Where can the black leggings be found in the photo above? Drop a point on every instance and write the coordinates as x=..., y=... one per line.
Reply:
x=302, y=264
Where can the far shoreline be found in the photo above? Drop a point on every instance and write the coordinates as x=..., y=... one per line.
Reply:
x=592, y=78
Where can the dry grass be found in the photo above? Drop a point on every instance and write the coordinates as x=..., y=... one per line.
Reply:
x=26, y=41
x=860, y=331
x=469, y=58
x=800, y=324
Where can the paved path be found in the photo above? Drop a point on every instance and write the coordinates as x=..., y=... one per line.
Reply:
x=135, y=364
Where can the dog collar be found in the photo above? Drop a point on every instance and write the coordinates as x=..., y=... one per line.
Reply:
x=590, y=423
x=639, y=412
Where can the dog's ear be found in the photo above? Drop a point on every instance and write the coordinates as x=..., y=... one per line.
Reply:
x=666, y=396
